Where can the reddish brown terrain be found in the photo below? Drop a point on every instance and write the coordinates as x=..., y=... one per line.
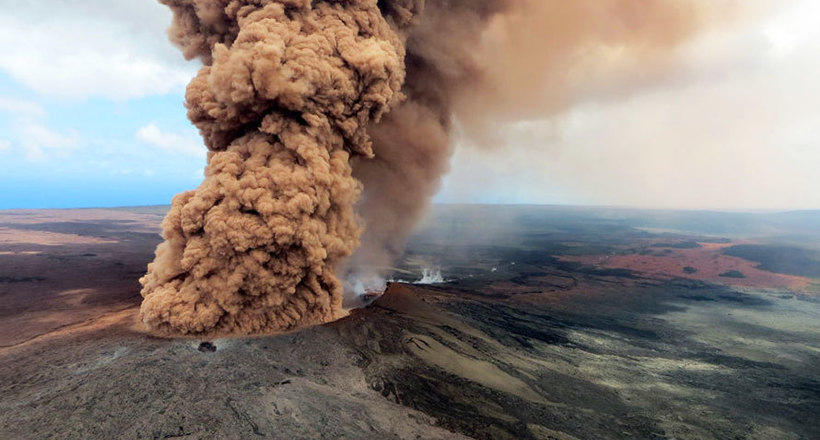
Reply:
x=708, y=261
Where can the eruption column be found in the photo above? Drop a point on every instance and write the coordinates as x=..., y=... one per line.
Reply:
x=283, y=100
x=291, y=90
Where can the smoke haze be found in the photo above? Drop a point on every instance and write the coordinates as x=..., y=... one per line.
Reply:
x=728, y=122
x=328, y=118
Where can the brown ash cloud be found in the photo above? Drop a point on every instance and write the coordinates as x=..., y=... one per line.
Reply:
x=329, y=127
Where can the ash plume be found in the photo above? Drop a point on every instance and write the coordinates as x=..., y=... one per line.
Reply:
x=305, y=104
x=477, y=64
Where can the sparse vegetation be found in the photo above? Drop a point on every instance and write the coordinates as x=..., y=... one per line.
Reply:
x=689, y=270
x=733, y=274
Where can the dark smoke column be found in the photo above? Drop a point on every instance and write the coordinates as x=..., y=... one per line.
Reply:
x=283, y=101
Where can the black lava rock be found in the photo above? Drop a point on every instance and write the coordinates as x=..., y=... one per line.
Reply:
x=207, y=347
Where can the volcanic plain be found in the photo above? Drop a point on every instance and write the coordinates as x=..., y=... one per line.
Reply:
x=545, y=323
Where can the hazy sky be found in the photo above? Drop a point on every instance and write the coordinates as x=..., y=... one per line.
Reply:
x=91, y=115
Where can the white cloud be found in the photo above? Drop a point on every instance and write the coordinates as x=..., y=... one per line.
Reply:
x=41, y=135
x=30, y=133
x=38, y=141
x=77, y=49
x=19, y=107
x=794, y=26
x=187, y=144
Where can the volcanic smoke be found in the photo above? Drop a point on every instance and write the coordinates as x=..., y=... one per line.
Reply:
x=328, y=124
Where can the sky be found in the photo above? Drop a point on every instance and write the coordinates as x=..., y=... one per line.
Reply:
x=92, y=115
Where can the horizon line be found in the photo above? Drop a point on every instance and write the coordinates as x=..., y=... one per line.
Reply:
x=543, y=205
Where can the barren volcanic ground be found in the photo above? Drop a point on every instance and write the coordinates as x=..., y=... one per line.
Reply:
x=546, y=323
